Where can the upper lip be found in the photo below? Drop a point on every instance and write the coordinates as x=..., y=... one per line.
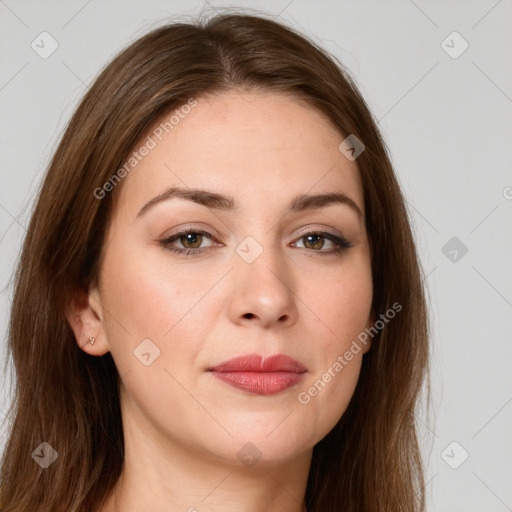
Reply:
x=259, y=363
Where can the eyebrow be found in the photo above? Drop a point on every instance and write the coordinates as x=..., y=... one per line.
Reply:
x=227, y=203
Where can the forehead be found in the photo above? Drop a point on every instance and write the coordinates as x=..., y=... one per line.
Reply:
x=245, y=144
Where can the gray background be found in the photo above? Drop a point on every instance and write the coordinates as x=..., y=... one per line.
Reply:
x=447, y=122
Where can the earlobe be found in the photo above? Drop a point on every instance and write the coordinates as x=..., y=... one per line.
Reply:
x=85, y=318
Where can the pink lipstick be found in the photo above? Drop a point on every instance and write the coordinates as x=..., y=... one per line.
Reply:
x=260, y=375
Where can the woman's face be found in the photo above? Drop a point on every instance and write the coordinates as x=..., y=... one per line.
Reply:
x=260, y=273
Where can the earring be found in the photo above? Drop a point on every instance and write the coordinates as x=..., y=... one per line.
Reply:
x=91, y=341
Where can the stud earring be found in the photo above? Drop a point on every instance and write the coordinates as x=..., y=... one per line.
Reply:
x=91, y=341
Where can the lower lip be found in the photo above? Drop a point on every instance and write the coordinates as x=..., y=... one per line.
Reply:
x=260, y=383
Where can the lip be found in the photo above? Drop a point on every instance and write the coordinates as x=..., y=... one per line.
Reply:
x=260, y=375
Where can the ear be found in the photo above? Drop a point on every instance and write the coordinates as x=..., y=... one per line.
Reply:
x=85, y=316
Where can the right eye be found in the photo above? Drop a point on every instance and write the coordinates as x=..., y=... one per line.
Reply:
x=190, y=239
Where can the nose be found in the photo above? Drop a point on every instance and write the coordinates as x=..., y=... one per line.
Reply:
x=262, y=292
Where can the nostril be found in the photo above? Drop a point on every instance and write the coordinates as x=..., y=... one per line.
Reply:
x=248, y=315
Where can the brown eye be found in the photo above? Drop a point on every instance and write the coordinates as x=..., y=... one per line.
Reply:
x=191, y=240
x=313, y=241
x=189, y=243
x=316, y=242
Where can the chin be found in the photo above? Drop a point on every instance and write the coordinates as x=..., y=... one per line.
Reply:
x=262, y=448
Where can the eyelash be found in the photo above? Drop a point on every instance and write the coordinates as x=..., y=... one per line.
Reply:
x=341, y=242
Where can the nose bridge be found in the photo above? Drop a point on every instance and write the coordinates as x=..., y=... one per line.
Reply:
x=262, y=284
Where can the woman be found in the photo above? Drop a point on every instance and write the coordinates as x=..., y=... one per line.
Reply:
x=218, y=304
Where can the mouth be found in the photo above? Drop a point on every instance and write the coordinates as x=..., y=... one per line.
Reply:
x=260, y=375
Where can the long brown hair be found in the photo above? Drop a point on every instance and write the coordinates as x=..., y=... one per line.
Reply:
x=370, y=461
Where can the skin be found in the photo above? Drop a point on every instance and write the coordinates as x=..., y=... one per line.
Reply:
x=183, y=427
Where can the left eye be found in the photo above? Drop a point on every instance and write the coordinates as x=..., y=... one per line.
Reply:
x=317, y=241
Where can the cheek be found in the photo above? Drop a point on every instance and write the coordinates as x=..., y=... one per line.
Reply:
x=150, y=294
x=147, y=298
x=343, y=307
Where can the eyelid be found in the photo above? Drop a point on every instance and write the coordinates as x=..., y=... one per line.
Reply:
x=196, y=228
x=190, y=229
x=319, y=229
